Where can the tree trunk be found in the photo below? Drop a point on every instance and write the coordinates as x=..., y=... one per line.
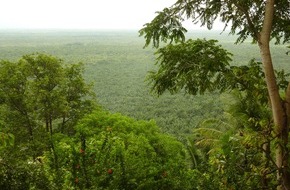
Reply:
x=267, y=155
x=285, y=137
x=280, y=119
x=278, y=111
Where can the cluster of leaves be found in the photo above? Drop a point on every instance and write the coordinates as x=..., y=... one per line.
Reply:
x=40, y=89
x=195, y=65
x=7, y=139
x=203, y=65
x=242, y=17
x=231, y=155
x=111, y=151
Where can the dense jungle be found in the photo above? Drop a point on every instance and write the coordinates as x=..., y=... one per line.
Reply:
x=78, y=112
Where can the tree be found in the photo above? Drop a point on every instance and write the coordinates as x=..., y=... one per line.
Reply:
x=260, y=20
x=112, y=151
x=40, y=95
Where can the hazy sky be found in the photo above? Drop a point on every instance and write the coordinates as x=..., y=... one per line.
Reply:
x=82, y=14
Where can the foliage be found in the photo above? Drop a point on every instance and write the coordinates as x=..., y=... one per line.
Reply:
x=7, y=139
x=242, y=17
x=236, y=151
x=170, y=27
x=198, y=66
x=195, y=65
x=40, y=96
x=233, y=156
x=22, y=174
x=111, y=151
x=41, y=89
x=260, y=20
x=230, y=156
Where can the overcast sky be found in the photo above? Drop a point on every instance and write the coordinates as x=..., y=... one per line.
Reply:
x=81, y=14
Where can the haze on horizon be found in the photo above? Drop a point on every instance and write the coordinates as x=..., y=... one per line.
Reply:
x=79, y=14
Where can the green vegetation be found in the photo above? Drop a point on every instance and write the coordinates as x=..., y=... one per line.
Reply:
x=197, y=66
x=60, y=143
x=116, y=63
x=130, y=138
x=111, y=151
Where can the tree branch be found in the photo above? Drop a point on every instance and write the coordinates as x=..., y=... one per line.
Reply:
x=249, y=20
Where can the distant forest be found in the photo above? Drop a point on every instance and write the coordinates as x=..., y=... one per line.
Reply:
x=117, y=65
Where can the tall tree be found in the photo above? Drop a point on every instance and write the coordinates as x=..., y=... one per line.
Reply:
x=39, y=94
x=260, y=20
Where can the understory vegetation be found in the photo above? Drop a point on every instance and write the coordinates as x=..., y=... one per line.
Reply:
x=77, y=112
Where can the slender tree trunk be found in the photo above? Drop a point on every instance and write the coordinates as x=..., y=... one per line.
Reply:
x=278, y=111
x=267, y=155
